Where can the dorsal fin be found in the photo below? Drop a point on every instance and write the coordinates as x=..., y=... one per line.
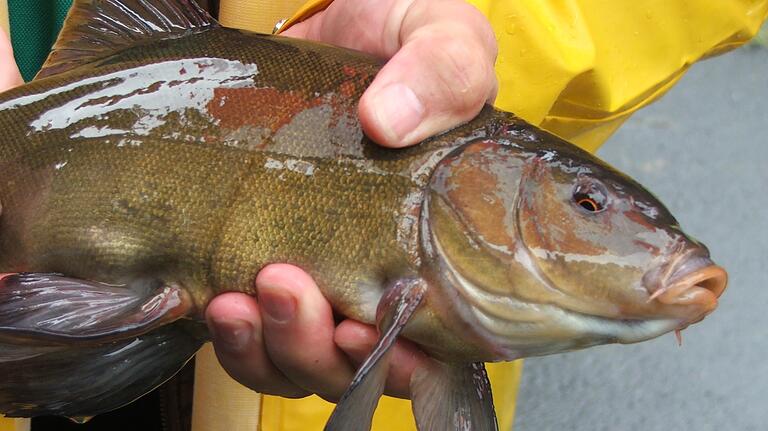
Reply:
x=95, y=29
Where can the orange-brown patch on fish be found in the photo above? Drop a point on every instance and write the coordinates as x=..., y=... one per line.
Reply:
x=347, y=89
x=480, y=147
x=357, y=83
x=260, y=107
x=348, y=70
x=472, y=194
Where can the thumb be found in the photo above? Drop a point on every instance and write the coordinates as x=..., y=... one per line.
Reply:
x=441, y=76
x=440, y=69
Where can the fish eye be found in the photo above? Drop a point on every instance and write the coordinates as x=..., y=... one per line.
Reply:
x=590, y=197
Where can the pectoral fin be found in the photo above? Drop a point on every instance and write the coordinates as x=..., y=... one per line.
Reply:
x=78, y=348
x=355, y=409
x=46, y=308
x=450, y=397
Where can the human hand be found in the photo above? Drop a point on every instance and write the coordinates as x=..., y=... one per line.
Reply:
x=285, y=341
x=439, y=74
x=440, y=68
x=9, y=72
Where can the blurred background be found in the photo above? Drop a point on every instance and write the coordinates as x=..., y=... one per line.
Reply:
x=703, y=149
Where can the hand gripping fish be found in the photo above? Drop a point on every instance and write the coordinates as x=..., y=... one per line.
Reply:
x=159, y=159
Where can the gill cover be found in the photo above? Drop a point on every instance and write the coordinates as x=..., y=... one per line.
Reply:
x=472, y=236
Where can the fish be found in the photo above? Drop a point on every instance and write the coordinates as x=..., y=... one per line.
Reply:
x=159, y=159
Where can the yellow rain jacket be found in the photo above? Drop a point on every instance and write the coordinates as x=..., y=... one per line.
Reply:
x=578, y=68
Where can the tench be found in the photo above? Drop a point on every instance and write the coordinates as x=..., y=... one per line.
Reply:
x=159, y=159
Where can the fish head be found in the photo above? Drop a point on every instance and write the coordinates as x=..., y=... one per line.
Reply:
x=541, y=248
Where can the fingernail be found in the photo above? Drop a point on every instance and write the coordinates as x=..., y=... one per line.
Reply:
x=398, y=111
x=232, y=334
x=277, y=304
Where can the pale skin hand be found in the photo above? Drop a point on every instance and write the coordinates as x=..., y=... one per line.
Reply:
x=9, y=73
x=439, y=74
x=285, y=342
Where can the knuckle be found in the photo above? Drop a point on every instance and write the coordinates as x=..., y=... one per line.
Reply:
x=478, y=25
x=465, y=76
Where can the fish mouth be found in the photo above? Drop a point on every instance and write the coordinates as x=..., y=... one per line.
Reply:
x=695, y=282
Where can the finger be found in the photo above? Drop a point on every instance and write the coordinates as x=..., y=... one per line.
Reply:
x=357, y=340
x=235, y=323
x=441, y=71
x=422, y=91
x=9, y=72
x=298, y=329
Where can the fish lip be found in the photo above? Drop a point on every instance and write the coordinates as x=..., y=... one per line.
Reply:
x=692, y=278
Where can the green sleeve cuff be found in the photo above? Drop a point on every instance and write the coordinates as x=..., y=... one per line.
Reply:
x=34, y=27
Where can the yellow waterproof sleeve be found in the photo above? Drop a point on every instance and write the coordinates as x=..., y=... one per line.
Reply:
x=579, y=68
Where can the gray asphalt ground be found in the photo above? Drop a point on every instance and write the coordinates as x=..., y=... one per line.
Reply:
x=703, y=149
